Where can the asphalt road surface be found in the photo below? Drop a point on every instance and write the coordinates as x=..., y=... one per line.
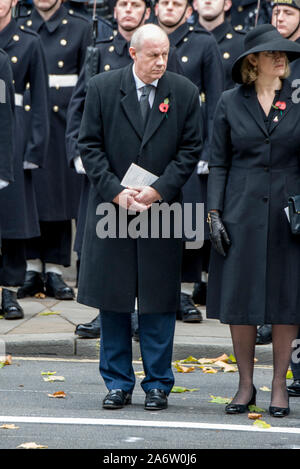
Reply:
x=78, y=421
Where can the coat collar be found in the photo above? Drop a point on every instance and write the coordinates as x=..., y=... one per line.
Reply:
x=52, y=24
x=7, y=33
x=121, y=44
x=131, y=105
x=220, y=31
x=180, y=33
x=252, y=105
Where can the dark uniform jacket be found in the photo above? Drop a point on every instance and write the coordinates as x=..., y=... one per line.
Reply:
x=6, y=118
x=201, y=62
x=253, y=171
x=19, y=216
x=65, y=37
x=243, y=13
x=231, y=46
x=111, y=138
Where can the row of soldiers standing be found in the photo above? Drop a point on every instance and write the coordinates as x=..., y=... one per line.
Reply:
x=46, y=188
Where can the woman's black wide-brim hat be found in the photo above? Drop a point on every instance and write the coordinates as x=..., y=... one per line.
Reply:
x=264, y=37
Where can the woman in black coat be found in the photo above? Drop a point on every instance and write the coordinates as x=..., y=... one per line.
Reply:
x=255, y=270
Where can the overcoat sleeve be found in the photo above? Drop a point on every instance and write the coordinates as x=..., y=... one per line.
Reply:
x=188, y=153
x=6, y=119
x=91, y=147
x=220, y=158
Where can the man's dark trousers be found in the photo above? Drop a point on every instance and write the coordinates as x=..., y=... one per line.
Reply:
x=156, y=333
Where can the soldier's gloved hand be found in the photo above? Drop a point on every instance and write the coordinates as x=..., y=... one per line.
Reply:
x=218, y=234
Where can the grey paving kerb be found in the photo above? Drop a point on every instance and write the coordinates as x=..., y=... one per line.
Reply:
x=44, y=334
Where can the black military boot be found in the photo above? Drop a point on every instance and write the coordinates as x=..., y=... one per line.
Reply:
x=32, y=285
x=9, y=305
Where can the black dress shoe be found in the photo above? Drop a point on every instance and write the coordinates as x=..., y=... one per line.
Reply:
x=57, y=288
x=241, y=408
x=116, y=399
x=10, y=307
x=32, y=285
x=156, y=399
x=199, y=293
x=264, y=335
x=294, y=389
x=279, y=411
x=90, y=330
x=189, y=312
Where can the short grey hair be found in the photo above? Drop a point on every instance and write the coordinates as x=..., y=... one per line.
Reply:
x=147, y=31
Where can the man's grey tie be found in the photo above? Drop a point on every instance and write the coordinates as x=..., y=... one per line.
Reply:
x=144, y=102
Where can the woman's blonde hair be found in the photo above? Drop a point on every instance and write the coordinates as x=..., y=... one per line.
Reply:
x=249, y=71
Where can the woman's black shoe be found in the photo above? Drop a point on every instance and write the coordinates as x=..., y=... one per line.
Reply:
x=241, y=408
x=279, y=411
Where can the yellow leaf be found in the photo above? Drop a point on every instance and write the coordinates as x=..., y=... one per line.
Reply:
x=209, y=369
x=261, y=424
x=48, y=373
x=232, y=358
x=49, y=313
x=222, y=358
x=220, y=400
x=9, y=426
x=227, y=368
x=289, y=374
x=184, y=369
x=31, y=445
x=265, y=388
x=189, y=359
x=54, y=378
x=205, y=361
x=40, y=295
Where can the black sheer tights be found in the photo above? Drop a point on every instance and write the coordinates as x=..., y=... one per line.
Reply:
x=243, y=338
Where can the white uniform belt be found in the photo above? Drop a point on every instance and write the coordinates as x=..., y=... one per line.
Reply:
x=62, y=80
x=18, y=99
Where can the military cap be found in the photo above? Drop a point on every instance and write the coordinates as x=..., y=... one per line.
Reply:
x=288, y=3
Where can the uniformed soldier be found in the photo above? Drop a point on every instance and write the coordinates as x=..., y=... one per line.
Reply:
x=104, y=27
x=201, y=60
x=65, y=36
x=243, y=13
x=230, y=41
x=18, y=205
x=6, y=153
x=113, y=54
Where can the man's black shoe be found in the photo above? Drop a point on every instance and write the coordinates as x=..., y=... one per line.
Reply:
x=264, y=335
x=199, y=293
x=294, y=389
x=32, y=285
x=90, y=330
x=156, y=399
x=10, y=307
x=116, y=399
x=57, y=288
x=189, y=312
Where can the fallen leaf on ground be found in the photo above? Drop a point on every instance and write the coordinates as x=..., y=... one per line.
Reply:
x=49, y=313
x=184, y=369
x=220, y=400
x=254, y=408
x=208, y=369
x=222, y=358
x=7, y=361
x=289, y=374
x=9, y=426
x=31, y=445
x=265, y=388
x=232, y=358
x=182, y=389
x=48, y=373
x=40, y=295
x=261, y=424
x=254, y=416
x=58, y=395
x=227, y=368
x=1, y=317
x=189, y=359
x=54, y=378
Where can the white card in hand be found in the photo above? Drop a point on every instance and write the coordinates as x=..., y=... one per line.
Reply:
x=136, y=176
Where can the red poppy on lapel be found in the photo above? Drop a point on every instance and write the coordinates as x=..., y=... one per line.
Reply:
x=164, y=107
x=280, y=105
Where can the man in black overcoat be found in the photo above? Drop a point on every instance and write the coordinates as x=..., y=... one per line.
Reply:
x=166, y=141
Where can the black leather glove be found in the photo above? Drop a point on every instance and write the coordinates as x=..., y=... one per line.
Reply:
x=218, y=235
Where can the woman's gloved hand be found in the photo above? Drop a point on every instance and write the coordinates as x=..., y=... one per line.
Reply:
x=218, y=234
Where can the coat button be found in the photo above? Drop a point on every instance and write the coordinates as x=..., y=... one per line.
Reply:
x=266, y=199
x=29, y=23
x=229, y=36
x=60, y=63
x=107, y=67
x=111, y=48
x=267, y=140
x=64, y=21
x=226, y=55
x=240, y=8
x=27, y=107
x=55, y=108
x=185, y=39
x=14, y=59
x=16, y=37
x=184, y=59
x=63, y=42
